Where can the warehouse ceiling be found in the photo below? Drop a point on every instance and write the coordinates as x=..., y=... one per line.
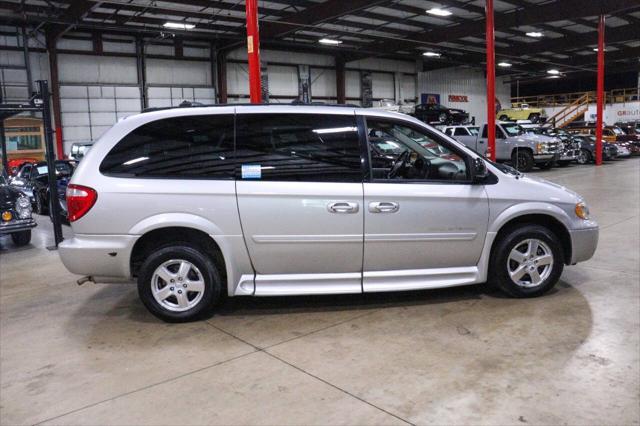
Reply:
x=402, y=29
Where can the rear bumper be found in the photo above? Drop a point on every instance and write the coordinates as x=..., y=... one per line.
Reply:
x=583, y=244
x=98, y=255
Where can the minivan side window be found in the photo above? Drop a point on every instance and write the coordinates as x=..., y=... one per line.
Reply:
x=187, y=147
x=298, y=147
x=400, y=151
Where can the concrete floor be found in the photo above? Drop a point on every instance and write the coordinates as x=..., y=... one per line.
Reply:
x=93, y=355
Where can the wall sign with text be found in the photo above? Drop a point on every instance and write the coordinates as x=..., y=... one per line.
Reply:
x=458, y=98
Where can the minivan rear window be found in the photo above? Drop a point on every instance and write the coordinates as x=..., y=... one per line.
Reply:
x=199, y=146
x=298, y=147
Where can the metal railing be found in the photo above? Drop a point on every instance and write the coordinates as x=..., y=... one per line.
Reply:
x=541, y=101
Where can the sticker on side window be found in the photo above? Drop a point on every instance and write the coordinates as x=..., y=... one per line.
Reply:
x=251, y=171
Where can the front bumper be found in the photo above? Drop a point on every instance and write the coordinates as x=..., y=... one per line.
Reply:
x=16, y=225
x=98, y=255
x=583, y=244
x=545, y=157
x=569, y=155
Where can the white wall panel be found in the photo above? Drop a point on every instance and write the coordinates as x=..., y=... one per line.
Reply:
x=97, y=69
x=283, y=80
x=408, y=90
x=178, y=73
x=88, y=110
x=323, y=83
x=379, y=64
x=119, y=47
x=160, y=97
x=237, y=79
x=352, y=83
x=383, y=85
x=463, y=81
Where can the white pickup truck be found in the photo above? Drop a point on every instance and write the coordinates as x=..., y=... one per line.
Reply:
x=523, y=151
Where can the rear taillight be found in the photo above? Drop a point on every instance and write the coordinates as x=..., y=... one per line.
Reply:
x=80, y=199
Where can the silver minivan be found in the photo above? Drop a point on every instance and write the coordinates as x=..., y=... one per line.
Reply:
x=267, y=200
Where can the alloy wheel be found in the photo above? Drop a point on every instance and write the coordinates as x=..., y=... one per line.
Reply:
x=530, y=263
x=177, y=285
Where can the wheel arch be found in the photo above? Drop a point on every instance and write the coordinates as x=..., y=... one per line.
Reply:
x=554, y=222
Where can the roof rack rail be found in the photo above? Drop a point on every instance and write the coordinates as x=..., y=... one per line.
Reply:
x=189, y=104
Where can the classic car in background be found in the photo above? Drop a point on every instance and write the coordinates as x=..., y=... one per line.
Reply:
x=588, y=149
x=15, y=214
x=436, y=113
x=522, y=112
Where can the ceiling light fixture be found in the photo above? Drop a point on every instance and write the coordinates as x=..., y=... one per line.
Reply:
x=534, y=34
x=553, y=72
x=554, y=76
x=504, y=64
x=439, y=12
x=330, y=41
x=595, y=49
x=432, y=54
x=179, y=26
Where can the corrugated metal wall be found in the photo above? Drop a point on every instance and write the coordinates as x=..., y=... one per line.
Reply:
x=463, y=81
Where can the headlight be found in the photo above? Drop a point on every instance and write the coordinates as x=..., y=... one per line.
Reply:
x=23, y=208
x=582, y=211
x=541, y=147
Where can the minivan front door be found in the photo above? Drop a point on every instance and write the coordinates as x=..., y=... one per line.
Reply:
x=425, y=223
x=299, y=192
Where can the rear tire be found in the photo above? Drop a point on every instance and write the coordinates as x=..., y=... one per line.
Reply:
x=192, y=293
x=527, y=261
x=21, y=238
x=522, y=160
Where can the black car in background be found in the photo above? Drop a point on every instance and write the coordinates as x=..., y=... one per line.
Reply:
x=588, y=149
x=15, y=214
x=436, y=113
x=32, y=179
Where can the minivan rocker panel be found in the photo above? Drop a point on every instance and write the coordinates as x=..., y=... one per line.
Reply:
x=291, y=200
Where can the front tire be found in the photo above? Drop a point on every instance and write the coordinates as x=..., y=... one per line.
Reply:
x=504, y=117
x=41, y=205
x=179, y=283
x=21, y=238
x=527, y=261
x=522, y=160
x=584, y=156
x=546, y=166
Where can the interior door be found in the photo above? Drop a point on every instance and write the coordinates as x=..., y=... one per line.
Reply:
x=299, y=191
x=424, y=219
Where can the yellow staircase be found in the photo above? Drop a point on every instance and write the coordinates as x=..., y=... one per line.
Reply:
x=570, y=113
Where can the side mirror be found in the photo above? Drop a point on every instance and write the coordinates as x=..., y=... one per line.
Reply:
x=479, y=171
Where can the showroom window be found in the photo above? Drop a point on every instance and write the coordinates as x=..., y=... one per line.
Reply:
x=198, y=146
x=400, y=152
x=298, y=147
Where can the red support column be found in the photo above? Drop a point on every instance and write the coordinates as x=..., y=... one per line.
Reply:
x=491, y=82
x=600, y=91
x=253, y=50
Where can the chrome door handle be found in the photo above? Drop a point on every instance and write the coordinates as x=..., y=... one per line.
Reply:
x=384, y=207
x=342, y=207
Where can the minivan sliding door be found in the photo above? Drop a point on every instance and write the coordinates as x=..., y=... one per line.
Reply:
x=299, y=191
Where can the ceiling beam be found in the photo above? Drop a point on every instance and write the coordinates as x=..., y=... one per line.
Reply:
x=75, y=12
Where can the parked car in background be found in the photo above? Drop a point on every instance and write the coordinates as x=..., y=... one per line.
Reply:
x=33, y=180
x=588, y=149
x=468, y=135
x=522, y=112
x=306, y=184
x=15, y=214
x=523, y=150
x=436, y=113
x=79, y=150
x=569, y=148
x=612, y=134
x=15, y=164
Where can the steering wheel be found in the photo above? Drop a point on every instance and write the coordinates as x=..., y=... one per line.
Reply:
x=399, y=164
